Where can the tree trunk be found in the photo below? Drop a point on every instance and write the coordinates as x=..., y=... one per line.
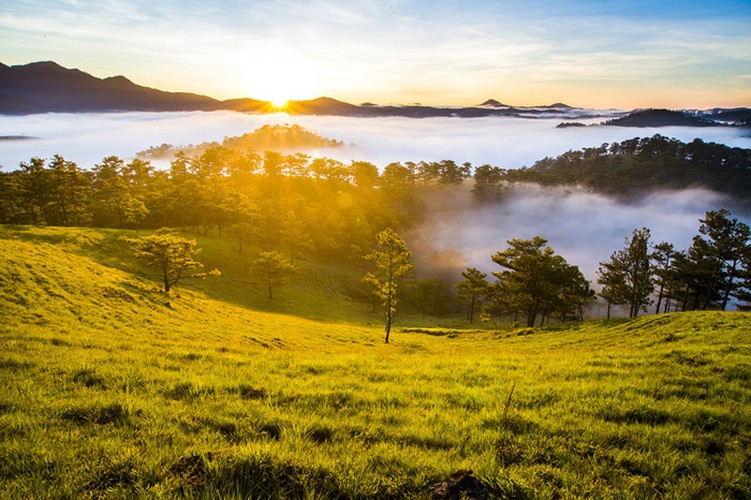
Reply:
x=659, y=300
x=389, y=316
x=729, y=286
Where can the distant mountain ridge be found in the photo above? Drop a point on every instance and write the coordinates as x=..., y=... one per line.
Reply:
x=660, y=118
x=651, y=118
x=43, y=87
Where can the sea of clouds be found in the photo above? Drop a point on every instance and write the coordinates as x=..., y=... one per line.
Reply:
x=583, y=227
x=503, y=141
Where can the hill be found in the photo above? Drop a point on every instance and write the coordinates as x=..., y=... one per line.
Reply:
x=113, y=389
x=659, y=118
x=280, y=138
x=48, y=87
x=642, y=165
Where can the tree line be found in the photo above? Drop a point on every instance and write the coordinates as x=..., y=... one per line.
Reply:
x=288, y=205
x=639, y=165
x=712, y=272
x=229, y=187
x=536, y=283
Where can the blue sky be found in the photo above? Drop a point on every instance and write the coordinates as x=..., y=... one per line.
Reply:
x=608, y=53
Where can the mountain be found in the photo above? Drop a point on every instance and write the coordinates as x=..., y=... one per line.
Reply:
x=42, y=87
x=48, y=87
x=494, y=104
x=736, y=116
x=659, y=118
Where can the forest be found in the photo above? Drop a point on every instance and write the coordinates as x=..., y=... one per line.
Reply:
x=635, y=166
x=287, y=207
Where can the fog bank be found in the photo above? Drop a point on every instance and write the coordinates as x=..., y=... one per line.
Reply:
x=585, y=228
x=502, y=141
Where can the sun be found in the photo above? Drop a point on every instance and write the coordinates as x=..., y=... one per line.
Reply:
x=278, y=102
x=275, y=78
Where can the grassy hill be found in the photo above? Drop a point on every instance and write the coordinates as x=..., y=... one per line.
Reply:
x=112, y=389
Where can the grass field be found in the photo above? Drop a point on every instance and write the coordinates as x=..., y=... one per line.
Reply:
x=112, y=389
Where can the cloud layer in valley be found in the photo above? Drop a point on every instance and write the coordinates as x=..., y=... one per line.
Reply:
x=583, y=227
x=505, y=142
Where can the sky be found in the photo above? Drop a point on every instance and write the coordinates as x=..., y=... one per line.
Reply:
x=620, y=54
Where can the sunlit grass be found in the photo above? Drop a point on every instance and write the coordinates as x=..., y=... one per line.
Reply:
x=111, y=388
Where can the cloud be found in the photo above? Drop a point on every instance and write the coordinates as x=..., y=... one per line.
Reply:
x=585, y=228
x=505, y=142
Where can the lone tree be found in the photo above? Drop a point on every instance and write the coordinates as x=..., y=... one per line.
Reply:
x=274, y=268
x=171, y=254
x=393, y=261
x=627, y=276
x=472, y=290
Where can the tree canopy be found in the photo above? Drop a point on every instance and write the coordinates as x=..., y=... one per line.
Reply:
x=169, y=253
x=537, y=282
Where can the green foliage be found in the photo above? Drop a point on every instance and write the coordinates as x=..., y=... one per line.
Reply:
x=488, y=186
x=712, y=271
x=536, y=281
x=279, y=138
x=273, y=268
x=729, y=244
x=169, y=253
x=472, y=290
x=635, y=166
x=393, y=261
x=105, y=396
x=627, y=278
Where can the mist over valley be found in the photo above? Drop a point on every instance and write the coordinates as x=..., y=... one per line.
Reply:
x=583, y=226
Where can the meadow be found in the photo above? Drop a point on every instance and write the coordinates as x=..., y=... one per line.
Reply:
x=112, y=389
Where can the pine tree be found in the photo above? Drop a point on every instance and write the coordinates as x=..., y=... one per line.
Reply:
x=393, y=261
x=627, y=277
x=171, y=254
x=472, y=290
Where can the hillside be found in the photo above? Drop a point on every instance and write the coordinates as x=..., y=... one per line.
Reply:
x=659, y=118
x=113, y=389
x=48, y=87
x=281, y=138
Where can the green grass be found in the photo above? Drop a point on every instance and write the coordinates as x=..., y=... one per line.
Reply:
x=112, y=389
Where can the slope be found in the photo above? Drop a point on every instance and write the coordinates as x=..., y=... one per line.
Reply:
x=48, y=87
x=111, y=389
